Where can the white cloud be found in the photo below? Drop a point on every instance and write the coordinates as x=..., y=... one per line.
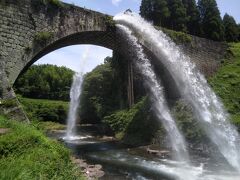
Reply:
x=116, y=2
x=80, y=58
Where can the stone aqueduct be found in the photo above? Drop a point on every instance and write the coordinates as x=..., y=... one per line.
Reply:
x=29, y=29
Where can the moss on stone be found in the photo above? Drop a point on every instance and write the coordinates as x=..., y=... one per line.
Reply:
x=43, y=37
x=110, y=23
x=56, y=3
x=8, y=103
x=176, y=36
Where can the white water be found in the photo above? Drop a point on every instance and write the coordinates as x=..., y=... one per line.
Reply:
x=157, y=95
x=75, y=93
x=193, y=86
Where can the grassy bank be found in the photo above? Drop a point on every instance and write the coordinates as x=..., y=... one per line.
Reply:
x=226, y=84
x=45, y=110
x=25, y=153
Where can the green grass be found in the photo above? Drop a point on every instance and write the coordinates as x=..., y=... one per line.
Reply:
x=48, y=126
x=25, y=153
x=226, y=83
x=177, y=36
x=45, y=110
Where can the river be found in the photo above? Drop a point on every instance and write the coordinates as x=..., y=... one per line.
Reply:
x=121, y=162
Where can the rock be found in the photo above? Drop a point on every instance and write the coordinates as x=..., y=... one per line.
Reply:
x=90, y=171
x=158, y=152
x=4, y=131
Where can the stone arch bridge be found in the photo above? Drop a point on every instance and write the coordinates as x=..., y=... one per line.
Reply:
x=29, y=29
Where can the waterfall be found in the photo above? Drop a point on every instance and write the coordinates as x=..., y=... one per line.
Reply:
x=75, y=93
x=192, y=85
x=157, y=95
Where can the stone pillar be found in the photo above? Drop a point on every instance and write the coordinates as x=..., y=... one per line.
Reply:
x=9, y=104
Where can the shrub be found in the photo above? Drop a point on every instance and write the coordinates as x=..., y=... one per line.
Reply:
x=43, y=37
x=135, y=126
x=45, y=110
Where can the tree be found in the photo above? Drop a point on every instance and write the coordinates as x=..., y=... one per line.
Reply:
x=146, y=9
x=238, y=32
x=45, y=82
x=156, y=11
x=211, y=21
x=193, y=24
x=231, y=28
x=99, y=93
x=178, y=16
x=160, y=12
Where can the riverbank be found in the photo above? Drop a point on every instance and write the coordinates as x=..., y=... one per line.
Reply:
x=26, y=153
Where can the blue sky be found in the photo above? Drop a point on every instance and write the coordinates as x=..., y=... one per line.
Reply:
x=86, y=57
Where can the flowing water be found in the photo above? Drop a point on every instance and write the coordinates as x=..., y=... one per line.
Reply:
x=157, y=95
x=191, y=83
x=75, y=93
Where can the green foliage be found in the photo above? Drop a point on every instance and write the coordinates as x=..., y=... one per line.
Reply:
x=99, y=93
x=8, y=103
x=56, y=3
x=178, y=37
x=178, y=18
x=43, y=37
x=146, y=9
x=25, y=153
x=239, y=32
x=110, y=23
x=49, y=125
x=211, y=22
x=226, y=83
x=193, y=23
x=45, y=82
x=45, y=110
x=186, y=122
x=160, y=13
x=231, y=28
x=135, y=126
x=184, y=15
x=171, y=13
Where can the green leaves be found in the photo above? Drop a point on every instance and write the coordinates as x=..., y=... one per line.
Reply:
x=99, y=93
x=211, y=22
x=45, y=82
x=231, y=28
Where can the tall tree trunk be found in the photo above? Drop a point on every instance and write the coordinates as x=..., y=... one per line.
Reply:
x=130, y=85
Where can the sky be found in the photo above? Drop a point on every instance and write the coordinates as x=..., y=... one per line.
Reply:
x=85, y=57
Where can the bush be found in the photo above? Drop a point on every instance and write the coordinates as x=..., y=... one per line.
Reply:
x=135, y=126
x=187, y=123
x=25, y=153
x=45, y=110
